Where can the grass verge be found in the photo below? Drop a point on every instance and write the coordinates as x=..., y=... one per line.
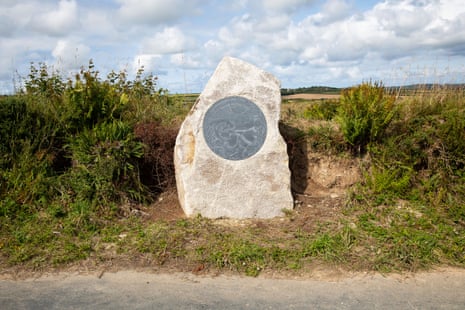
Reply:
x=73, y=190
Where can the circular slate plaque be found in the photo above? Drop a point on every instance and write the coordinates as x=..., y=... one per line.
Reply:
x=234, y=128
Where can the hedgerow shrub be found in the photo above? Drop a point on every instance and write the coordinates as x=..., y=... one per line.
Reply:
x=104, y=164
x=14, y=127
x=322, y=110
x=27, y=152
x=421, y=155
x=79, y=140
x=364, y=113
x=157, y=163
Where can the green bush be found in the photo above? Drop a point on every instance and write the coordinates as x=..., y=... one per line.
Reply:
x=22, y=127
x=452, y=133
x=325, y=138
x=14, y=126
x=66, y=142
x=322, y=110
x=105, y=163
x=364, y=113
x=421, y=160
x=44, y=84
x=27, y=153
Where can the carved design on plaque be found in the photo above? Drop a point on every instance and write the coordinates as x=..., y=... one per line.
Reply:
x=234, y=128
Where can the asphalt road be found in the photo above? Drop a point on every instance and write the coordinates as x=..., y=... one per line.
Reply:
x=135, y=290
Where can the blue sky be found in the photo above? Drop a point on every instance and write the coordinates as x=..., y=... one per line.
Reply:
x=302, y=42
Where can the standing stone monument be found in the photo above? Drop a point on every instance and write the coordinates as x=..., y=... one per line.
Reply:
x=230, y=158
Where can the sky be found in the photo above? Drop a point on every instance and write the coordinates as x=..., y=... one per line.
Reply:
x=338, y=43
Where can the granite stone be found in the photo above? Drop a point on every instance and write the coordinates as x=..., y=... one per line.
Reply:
x=230, y=158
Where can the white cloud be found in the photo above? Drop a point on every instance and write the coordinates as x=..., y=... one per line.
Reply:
x=15, y=16
x=154, y=11
x=256, y=38
x=183, y=61
x=237, y=5
x=7, y=26
x=273, y=23
x=9, y=3
x=59, y=21
x=169, y=41
x=20, y=51
x=213, y=51
x=342, y=40
x=302, y=41
x=391, y=29
x=284, y=5
x=334, y=10
x=70, y=55
x=99, y=23
x=239, y=31
x=403, y=18
x=147, y=61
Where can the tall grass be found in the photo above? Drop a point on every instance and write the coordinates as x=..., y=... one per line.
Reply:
x=413, y=192
x=76, y=154
x=409, y=206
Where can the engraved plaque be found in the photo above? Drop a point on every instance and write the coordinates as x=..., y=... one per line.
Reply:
x=234, y=128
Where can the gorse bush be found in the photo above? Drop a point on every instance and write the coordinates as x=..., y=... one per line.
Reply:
x=90, y=102
x=365, y=111
x=44, y=84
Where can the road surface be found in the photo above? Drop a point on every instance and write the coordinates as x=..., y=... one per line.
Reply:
x=138, y=290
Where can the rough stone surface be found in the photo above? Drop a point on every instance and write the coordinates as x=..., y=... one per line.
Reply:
x=208, y=184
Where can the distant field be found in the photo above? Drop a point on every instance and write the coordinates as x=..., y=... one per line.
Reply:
x=191, y=98
x=311, y=96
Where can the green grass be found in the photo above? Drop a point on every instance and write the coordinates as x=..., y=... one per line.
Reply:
x=201, y=241
x=69, y=184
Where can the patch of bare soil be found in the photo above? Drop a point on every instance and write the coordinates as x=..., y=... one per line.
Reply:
x=321, y=189
x=319, y=184
x=167, y=207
